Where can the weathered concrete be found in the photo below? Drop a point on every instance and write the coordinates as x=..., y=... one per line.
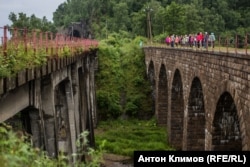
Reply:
x=203, y=98
x=56, y=102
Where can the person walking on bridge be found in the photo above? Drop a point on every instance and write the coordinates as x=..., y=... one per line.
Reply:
x=212, y=39
x=199, y=39
x=172, y=40
x=205, y=40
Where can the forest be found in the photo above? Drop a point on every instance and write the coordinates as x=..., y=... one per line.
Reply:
x=223, y=17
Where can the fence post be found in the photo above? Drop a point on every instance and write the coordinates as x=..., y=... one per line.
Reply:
x=34, y=41
x=227, y=43
x=219, y=43
x=51, y=44
x=236, y=43
x=46, y=43
x=40, y=47
x=25, y=40
x=5, y=40
x=57, y=45
x=15, y=39
x=246, y=43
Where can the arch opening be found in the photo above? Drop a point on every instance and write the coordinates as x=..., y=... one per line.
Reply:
x=226, y=128
x=76, y=33
x=28, y=123
x=177, y=112
x=162, y=97
x=151, y=76
x=196, y=118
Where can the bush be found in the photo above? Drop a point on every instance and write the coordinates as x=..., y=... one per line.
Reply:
x=15, y=151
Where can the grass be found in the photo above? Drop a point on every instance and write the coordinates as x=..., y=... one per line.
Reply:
x=123, y=137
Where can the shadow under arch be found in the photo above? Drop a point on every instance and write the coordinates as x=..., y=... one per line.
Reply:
x=76, y=33
x=151, y=76
x=196, y=118
x=226, y=134
x=28, y=123
x=162, y=100
x=177, y=112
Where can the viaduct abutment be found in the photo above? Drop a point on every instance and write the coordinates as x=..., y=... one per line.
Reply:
x=53, y=103
x=202, y=97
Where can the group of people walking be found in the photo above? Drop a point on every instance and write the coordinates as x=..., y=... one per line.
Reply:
x=198, y=40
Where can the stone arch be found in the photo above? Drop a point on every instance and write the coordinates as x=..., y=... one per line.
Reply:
x=162, y=100
x=151, y=76
x=196, y=117
x=151, y=71
x=226, y=134
x=177, y=111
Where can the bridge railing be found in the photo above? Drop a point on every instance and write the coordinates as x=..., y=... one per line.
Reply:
x=22, y=49
x=16, y=41
x=238, y=44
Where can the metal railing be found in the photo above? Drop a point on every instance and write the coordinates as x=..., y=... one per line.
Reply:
x=21, y=40
x=238, y=45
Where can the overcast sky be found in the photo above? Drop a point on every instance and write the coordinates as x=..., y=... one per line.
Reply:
x=39, y=8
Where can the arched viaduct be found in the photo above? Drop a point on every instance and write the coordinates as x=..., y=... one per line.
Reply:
x=203, y=98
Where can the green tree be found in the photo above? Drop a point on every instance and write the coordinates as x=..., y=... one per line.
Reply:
x=22, y=21
x=194, y=21
x=120, y=20
x=122, y=86
x=175, y=18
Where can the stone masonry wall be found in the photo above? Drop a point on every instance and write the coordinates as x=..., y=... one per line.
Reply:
x=218, y=73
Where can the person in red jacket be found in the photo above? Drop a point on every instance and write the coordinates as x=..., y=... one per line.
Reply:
x=199, y=39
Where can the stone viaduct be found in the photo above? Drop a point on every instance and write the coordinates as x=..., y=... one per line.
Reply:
x=202, y=97
x=53, y=103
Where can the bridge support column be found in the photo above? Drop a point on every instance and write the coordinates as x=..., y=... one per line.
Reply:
x=71, y=114
x=36, y=128
x=92, y=89
x=89, y=68
x=47, y=97
x=76, y=96
x=83, y=101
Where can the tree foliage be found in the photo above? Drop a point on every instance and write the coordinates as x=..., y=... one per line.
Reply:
x=167, y=16
x=22, y=21
x=122, y=87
